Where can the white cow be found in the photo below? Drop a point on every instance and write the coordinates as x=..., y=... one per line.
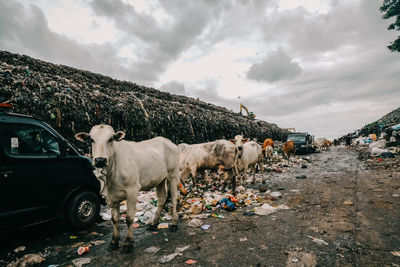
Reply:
x=208, y=156
x=251, y=155
x=321, y=143
x=269, y=152
x=131, y=167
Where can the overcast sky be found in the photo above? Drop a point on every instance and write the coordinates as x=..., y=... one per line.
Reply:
x=319, y=66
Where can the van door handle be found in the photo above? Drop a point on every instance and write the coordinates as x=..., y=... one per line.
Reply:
x=6, y=173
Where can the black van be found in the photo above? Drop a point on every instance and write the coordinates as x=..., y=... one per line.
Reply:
x=43, y=177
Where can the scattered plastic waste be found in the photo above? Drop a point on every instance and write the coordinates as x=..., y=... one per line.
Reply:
x=227, y=204
x=29, y=259
x=152, y=249
x=348, y=202
x=97, y=242
x=275, y=194
x=318, y=241
x=19, y=249
x=83, y=249
x=78, y=262
x=178, y=252
x=243, y=239
x=182, y=249
x=163, y=226
x=395, y=253
x=265, y=209
x=205, y=226
x=195, y=223
x=168, y=258
x=190, y=261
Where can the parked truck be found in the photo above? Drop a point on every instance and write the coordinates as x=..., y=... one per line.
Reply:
x=303, y=142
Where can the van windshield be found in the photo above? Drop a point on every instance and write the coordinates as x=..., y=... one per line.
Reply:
x=297, y=138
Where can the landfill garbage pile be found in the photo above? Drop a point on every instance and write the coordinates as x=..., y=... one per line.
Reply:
x=73, y=100
x=391, y=118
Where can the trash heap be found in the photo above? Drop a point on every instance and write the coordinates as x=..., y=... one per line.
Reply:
x=378, y=154
x=73, y=100
x=208, y=200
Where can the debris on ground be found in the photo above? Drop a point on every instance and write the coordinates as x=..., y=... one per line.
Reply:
x=170, y=257
x=195, y=223
x=27, y=260
x=19, y=249
x=318, y=241
x=83, y=249
x=78, y=262
x=152, y=249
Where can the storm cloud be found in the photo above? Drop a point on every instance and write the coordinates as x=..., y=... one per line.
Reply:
x=275, y=66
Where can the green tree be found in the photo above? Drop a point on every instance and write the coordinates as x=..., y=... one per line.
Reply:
x=391, y=8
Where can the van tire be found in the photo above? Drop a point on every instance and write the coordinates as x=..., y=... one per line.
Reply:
x=82, y=210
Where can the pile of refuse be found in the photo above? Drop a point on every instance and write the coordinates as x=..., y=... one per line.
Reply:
x=194, y=206
x=72, y=100
x=206, y=199
x=378, y=153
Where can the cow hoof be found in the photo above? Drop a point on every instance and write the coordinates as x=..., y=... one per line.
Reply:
x=112, y=247
x=173, y=228
x=152, y=227
x=126, y=249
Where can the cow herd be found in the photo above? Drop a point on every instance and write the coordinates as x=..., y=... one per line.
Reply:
x=128, y=167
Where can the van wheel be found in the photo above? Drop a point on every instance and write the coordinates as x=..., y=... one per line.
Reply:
x=82, y=210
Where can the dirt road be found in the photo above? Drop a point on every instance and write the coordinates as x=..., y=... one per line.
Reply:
x=341, y=214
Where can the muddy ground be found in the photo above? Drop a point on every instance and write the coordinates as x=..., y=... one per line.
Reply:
x=344, y=214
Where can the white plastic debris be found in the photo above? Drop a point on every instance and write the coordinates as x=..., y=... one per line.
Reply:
x=182, y=249
x=265, y=209
x=378, y=151
x=19, y=249
x=318, y=241
x=275, y=194
x=168, y=258
x=152, y=249
x=195, y=223
x=106, y=215
x=78, y=262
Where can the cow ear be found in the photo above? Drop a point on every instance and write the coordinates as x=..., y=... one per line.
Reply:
x=245, y=140
x=118, y=136
x=233, y=141
x=82, y=137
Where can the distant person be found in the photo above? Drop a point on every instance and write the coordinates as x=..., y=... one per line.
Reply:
x=335, y=142
x=348, y=141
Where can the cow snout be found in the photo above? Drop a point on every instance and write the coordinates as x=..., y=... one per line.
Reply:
x=100, y=162
x=240, y=148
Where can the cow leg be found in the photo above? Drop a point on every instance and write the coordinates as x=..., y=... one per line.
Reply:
x=173, y=182
x=262, y=171
x=194, y=175
x=225, y=177
x=115, y=221
x=253, y=169
x=162, y=198
x=130, y=216
x=233, y=183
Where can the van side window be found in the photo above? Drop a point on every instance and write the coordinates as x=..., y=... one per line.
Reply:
x=29, y=140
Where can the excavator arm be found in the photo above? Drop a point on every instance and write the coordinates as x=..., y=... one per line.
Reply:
x=249, y=114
